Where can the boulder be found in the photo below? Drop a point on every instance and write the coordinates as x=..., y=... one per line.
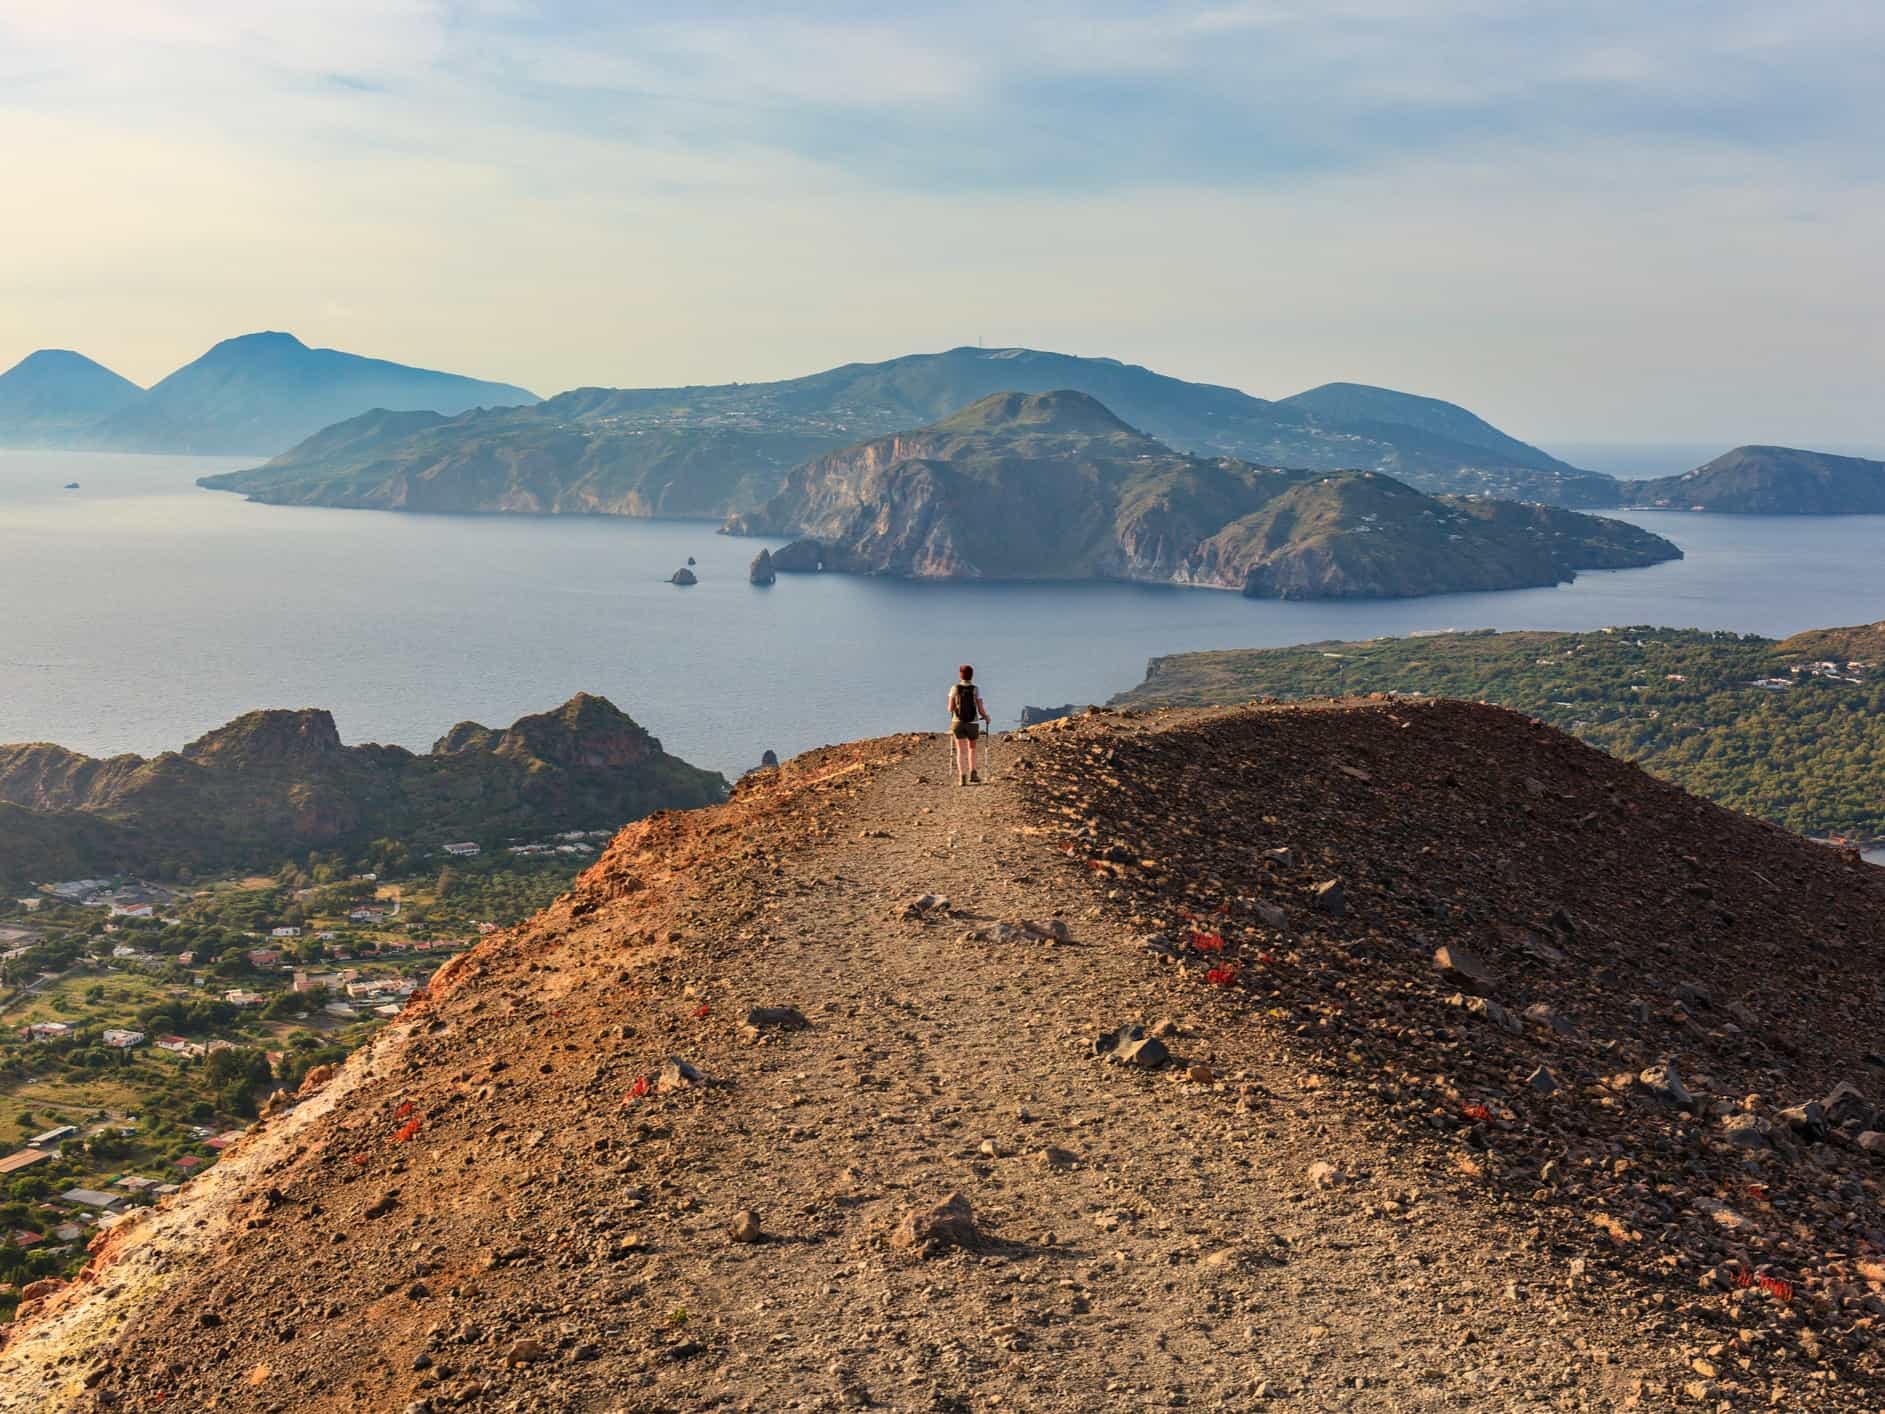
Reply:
x=1330, y=899
x=768, y=757
x=1846, y=1108
x=800, y=557
x=1692, y=997
x=1744, y=1131
x=1487, y=1010
x=683, y=576
x=762, y=571
x=746, y=1227
x=784, y=1018
x=1132, y=1045
x=1462, y=969
x=677, y=1074
x=1545, y=1017
x=1054, y=929
x=924, y=1231
x=1034, y=716
x=1808, y=1121
x=1872, y=1142
x=1661, y=1083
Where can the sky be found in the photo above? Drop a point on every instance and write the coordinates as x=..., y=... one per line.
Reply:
x=1589, y=221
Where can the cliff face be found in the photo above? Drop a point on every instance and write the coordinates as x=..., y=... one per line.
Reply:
x=1768, y=481
x=1054, y=487
x=277, y=782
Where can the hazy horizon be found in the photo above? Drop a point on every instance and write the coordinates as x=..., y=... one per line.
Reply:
x=1587, y=223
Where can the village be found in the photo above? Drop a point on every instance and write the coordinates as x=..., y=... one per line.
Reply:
x=144, y=1024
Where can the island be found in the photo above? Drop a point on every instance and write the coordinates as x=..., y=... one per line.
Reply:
x=1767, y=481
x=1054, y=486
x=711, y=451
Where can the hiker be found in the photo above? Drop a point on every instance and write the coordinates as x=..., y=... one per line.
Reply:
x=965, y=708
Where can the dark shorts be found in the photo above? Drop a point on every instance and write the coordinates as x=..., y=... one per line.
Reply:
x=965, y=731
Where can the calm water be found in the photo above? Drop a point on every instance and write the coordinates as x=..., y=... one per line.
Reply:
x=138, y=612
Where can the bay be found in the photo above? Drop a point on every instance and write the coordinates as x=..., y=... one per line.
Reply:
x=139, y=611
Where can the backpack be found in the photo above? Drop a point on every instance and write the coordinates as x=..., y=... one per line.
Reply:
x=962, y=702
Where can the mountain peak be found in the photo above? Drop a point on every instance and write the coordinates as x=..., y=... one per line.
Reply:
x=265, y=342
x=55, y=361
x=51, y=391
x=271, y=736
x=1061, y=410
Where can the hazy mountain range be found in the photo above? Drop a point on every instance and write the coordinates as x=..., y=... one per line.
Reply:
x=1053, y=486
x=259, y=393
x=715, y=450
x=345, y=430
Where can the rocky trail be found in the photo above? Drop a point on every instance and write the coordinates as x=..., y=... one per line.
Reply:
x=799, y=1103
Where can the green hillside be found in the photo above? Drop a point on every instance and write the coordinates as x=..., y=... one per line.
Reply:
x=1688, y=705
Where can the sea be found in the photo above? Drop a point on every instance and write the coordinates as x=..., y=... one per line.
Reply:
x=138, y=611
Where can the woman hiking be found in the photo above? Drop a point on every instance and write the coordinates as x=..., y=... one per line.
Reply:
x=967, y=715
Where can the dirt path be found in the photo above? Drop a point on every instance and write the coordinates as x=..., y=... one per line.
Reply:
x=1155, y=1241
x=1149, y=1240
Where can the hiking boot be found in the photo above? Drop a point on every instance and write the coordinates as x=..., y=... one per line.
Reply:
x=962, y=780
x=974, y=779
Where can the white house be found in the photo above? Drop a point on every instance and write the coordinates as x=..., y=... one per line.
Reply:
x=123, y=1039
x=284, y=933
x=235, y=996
x=464, y=849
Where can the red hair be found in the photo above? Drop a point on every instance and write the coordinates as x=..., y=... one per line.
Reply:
x=967, y=672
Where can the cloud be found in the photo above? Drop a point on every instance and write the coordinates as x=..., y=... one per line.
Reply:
x=1499, y=201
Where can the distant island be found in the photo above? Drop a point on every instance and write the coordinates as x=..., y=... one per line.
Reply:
x=1788, y=730
x=1053, y=486
x=278, y=783
x=1768, y=481
x=726, y=449
x=259, y=393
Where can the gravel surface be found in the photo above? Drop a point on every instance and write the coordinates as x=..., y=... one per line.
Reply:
x=869, y=1090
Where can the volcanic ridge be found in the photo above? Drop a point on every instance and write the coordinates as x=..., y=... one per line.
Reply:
x=1358, y=1055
